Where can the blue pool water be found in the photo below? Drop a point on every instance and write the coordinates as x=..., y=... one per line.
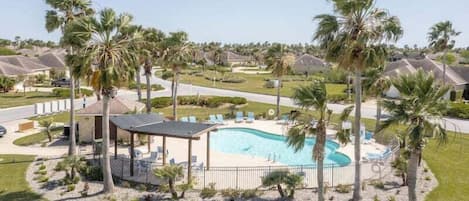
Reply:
x=257, y=143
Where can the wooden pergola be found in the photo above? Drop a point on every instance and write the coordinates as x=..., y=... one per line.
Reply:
x=156, y=125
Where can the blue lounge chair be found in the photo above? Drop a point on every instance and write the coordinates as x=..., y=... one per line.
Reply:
x=192, y=119
x=212, y=119
x=239, y=117
x=250, y=118
x=184, y=119
x=368, y=138
x=220, y=119
x=379, y=157
x=172, y=162
x=283, y=120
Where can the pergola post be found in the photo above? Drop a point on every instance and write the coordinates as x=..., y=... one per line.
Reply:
x=132, y=153
x=189, y=161
x=115, y=145
x=149, y=143
x=164, y=150
x=208, y=150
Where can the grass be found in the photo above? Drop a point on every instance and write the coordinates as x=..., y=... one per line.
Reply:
x=36, y=138
x=449, y=163
x=14, y=99
x=63, y=117
x=255, y=84
x=13, y=185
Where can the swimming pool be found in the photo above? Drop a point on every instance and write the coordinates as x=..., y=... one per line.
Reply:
x=258, y=143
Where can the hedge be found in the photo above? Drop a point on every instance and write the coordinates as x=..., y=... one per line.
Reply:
x=154, y=87
x=458, y=110
x=203, y=101
x=65, y=93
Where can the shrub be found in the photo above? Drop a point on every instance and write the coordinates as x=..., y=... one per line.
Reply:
x=125, y=184
x=70, y=187
x=65, y=92
x=141, y=187
x=341, y=188
x=76, y=179
x=166, y=75
x=392, y=198
x=278, y=178
x=375, y=198
x=42, y=167
x=43, y=179
x=249, y=193
x=6, y=51
x=154, y=87
x=41, y=172
x=208, y=192
x=428, y=178
x=377, y=184
x=161, y=102
x=334, y=98
x=230, y=193
x=458, y=110
x=93, y=173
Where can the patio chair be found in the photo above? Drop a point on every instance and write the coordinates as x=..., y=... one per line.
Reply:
x=212, y=119
x=220, y=119
x=368, y=138
x=184, y=119
x=239, y=117
x=153, y=156
x=192, y=119
x=137, y=153
x=194, y=159
x=172, y=162
x=200, y=167
x=283, y=120
x=250, y=118
x=378, y=157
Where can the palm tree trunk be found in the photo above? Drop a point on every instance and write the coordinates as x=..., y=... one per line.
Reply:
x=139, y=88
x=319, y=150
x=280, y=190
x=108, y=183
x=171, y=189
x=356, y=128
x=72, y=148
x=412, y=174
x=175, y=96
x=278, y=97
x=444, y=65
x=148, y=104
x=378, y=113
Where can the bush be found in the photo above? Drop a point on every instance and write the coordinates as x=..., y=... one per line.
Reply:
x=336, y=75
x=70, y=187
x=249, y=193
x=41, y=172
x=154, y=87
x=377, y=184
x=341, y=188
x=334, y=98
x=93, y=173
x=458, y=110
x=141, y=187
x=230, y=193
x=161, y=102
x=42, y=167
x=208, y=192
x=166, y=75
x=6, y=51
x=65, y=93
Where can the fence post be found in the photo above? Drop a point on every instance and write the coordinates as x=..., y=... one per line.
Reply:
x=204, y=176
x=236, y=177
x=332, y=176
x=122, y=168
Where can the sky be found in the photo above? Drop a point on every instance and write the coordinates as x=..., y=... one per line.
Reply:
x=241, y=21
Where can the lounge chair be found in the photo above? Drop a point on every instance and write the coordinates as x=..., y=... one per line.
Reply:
x=250, y=118
x=172, y=162
x=193, y=159
x=184, y=119
x=368, y=138
x=153, y=156
x=378, y=157
x=239, y=117
x=283, y=120
x=220, y=119
x=212, y=119
x=137, y=153
x=192, y=119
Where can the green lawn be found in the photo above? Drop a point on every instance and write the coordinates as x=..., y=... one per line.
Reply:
x=450, y=164
x=63, y=117
x=255, y=84
x=36, y=138
x=13, y=99
x=13, y=185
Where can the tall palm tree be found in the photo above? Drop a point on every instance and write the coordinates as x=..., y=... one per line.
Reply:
x=177, y=53
x=63, y=13
x=151, y=50
x=421, y=109
x=440, y=38
x=353, y=38
x=108, y=50
x=377, y=84
x=309, y=97
x=280, y=61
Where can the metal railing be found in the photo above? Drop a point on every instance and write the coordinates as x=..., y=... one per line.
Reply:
x=251, y=177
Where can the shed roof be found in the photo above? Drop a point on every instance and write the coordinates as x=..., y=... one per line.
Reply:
x=117, y=106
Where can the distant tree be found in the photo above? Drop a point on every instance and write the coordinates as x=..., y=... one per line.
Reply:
x=6, y=51
x=441, y=40
x=6, y=83
x=449, y=59
x=465, y=55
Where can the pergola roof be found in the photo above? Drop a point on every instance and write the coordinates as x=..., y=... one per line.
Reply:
x=153, y=124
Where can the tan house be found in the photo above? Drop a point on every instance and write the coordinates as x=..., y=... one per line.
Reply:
x=309, y=64
x=27, y=63
x=90, y=118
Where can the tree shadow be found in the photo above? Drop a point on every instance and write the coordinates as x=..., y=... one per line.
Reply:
x=20, y=196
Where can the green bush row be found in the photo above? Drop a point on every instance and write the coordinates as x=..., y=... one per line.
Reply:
x=154, y=87
x=458, y=110
x=65, y=92
x=203, y=101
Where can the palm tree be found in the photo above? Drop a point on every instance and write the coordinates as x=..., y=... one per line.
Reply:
x=421, y=109
x=63, y=13
x=170, y=174
x=377, y=84
x=280, y=61
x=47, y=124
x=177, y=53
x=309, y=97
x=151, y=50
x=108, y=49
x=440, y=38
x=353, y=38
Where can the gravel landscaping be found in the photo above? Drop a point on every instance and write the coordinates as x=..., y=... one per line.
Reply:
x=52, y=190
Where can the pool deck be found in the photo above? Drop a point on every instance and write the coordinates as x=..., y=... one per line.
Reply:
x=178, y=148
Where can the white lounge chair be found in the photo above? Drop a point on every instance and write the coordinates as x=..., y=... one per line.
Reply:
x=220, y=119
x=239, y=117
x=213, y=119
x=192, y=119
x=250, y=118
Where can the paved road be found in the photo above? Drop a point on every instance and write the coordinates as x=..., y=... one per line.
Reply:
x=186, y=89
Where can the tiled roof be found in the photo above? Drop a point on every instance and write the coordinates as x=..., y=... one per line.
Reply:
x=309, y=63
x=28, y=63
x=54, y=60
x=117, y=106
x=9, y=70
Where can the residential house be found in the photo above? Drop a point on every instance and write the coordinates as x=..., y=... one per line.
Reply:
x=231, y=58
x=309, y=64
